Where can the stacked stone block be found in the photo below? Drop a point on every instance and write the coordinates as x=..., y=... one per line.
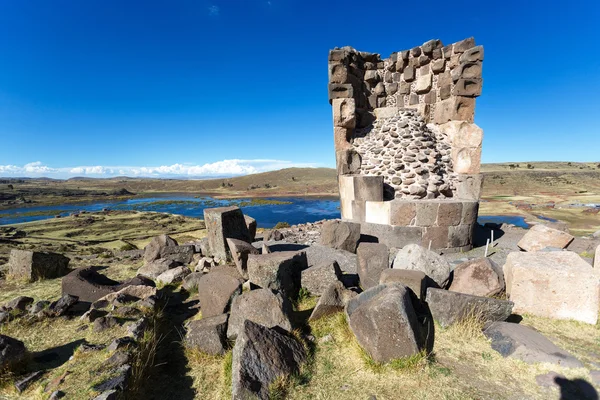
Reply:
x=405, y=124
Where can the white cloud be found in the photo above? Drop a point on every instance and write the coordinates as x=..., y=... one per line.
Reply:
x=216, y=169
x=213, y=11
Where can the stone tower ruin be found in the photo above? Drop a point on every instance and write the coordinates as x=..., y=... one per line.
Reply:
x=407, y=151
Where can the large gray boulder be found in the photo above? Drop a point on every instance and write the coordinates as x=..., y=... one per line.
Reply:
x=448, y=308
x=240, y=251
x=216, y=291
x=540, y=236
x=154, y=268
x=318, y=278
x=479, y=277
x=12, y=351
x=173, y=276
x=183, y=254
x=385, y=323
x=320, y=255
x=341, y=235
x=262, y=306
x=190, y=282
x=260, y=356
x=278, y=271
x=208, y=335
x=373, y=259
x=526, y=344
x=222, y=223
x=414, y=280
x=34, y=265
x=152, y=250
x=333, y=300
x=415, y=257
x=251, y=225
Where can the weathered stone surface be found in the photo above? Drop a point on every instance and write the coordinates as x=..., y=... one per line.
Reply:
x=526, y=344
x=34, y=265
x=191, y=282
x=209, y=335
x=183, y=254
x=373, y=259
x=423, y=84
x=449, y=213
x=472, y=55
x=344, y=113
x=279, y=271
x=597, y=258
x=540, y=236
x=415, y=257
x=89, y=285
x=12, y=352
x=333, y=300
x=137, y=292
x=414, y=280
x=403, y=213
x=251, y=225
x=154, y=268
x=454, y=108
x=384, y=322
x=427, y=212
x=239, y=252
x=558, y=284
x=17, y=304
x=318, y=278
x=479, y=277
x=61, y=306
x=348, y=161
x=262, y=306
x=175, y=275
x=468, y=87
x=152, y=250
x=260, y=356
x=216, y=291
x=340, y=235
x=222, y=223
x=320, y=255
x=340, y=91
x=449, y=307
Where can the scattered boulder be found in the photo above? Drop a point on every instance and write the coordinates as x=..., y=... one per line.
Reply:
x=172, y=276
x=103, y=323
x=479, y=277
x=553, y=285
x=251, y=225
x=274, y=235
x=373, y=259
x=415, y=257
x=260, y=356
x=182, y=254
x=154, y=268
x=24, y=382
x=318, y=278
x=239, y=252
x=89, y=285
x=278, y=271
x=136, y=329
x=448, y=308
x=222, y=223
x=262, y=306
x=118, y=382
x=332, y=300
x=20, y=304
x=541, y=236
x=528, y=345
x=205, y=263
x=190, y=282
x=384, y=322
x=152, y=250
x=34, y=265
x=414, y=280
x=341, y=235
x=12, y=352
x=320, y=255
x=209, y=335
x=216, y=291
x=62, y=305
x=133, y=292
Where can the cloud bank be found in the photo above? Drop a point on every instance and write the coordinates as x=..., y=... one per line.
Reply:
x=222, y=168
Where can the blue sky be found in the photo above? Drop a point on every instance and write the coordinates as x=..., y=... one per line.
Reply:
x=210, y=87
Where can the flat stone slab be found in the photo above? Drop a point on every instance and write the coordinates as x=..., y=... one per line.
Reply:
x=528, y=345
x=541, y=236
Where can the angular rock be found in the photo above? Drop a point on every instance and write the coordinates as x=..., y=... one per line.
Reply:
x=384, y=322
x=274, y=235
x=20, y=303
x=260, y=356
x=12, y=352
x=23, y=383
x=415, y=257
x=103, y=323
x=152, y=250
x=62, y=305
x=340, y=235
x=175, y=275
x=414, y=280
x=540, y=236
x=251, y=225
x=205, y=263
x=222, y=223
x=318, y=278
x=373, y=259
x=558, y=284
x=526, y=344
x=262, y=306
x=182, y=254
x=216, y=292
x=154, y=268
x=89, y=285
x=120, y=343
x=448, y=308
x=320, y=255
x=134, y=292
x=137, y=328
x=479, y=277
x=108, y=395
x=278, y=271
x=190, y=282
x=332, y=300
x=119, y=382
x=34, y=265
x=209, y=335
x=239, y=252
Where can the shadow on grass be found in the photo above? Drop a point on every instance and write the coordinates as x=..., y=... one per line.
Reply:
x=54, y=357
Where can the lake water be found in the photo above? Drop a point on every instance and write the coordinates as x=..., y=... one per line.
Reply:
x=299, y=210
